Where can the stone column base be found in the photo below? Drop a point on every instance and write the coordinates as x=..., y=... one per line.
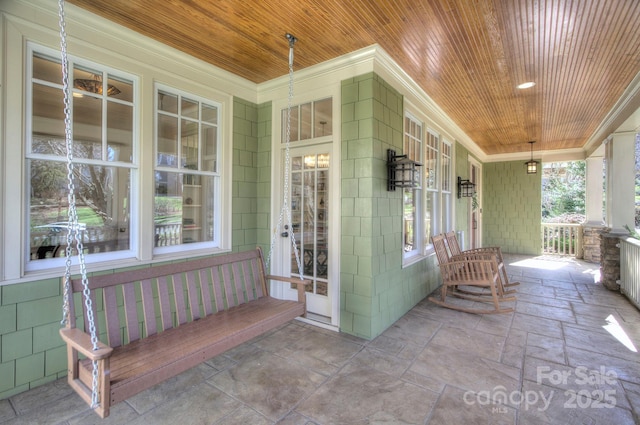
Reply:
x=591, y=235
x=610, y=261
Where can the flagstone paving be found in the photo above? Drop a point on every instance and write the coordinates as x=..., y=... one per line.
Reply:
x=568, y=354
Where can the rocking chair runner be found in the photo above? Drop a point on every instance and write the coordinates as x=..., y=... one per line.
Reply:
x=480, y=271
x=454, y=248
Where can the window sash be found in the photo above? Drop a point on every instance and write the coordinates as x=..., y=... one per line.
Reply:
x=104, y=158
x=187, y=202
x=411, y=198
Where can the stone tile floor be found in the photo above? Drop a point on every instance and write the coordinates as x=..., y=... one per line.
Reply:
x=567, y=355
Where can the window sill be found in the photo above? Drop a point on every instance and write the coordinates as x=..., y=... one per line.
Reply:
x=411, y=260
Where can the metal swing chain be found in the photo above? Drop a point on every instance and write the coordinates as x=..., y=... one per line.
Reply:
x=73, y=229
x=287, y=164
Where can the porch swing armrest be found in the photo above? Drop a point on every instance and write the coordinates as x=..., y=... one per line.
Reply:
x=81, y=342
x=301, y=284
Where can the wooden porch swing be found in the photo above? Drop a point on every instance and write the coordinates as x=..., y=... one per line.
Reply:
x=159, y=321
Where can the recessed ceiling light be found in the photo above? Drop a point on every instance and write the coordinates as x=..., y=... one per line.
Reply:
x=526, y=85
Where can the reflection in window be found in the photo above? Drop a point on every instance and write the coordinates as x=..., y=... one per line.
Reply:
x=412, y=147
x=186, y=169
x=309, y=120
x=103, y=146
x=101, y=204
x=431, y=182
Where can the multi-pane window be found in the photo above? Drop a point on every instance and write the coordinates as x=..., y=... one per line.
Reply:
x=412, y=236
x=447, y=186
x=432, y=188
x=187, y=179
x=102, y=112
x=308, y=120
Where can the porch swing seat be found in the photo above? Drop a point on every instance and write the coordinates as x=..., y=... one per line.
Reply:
x=189, y=313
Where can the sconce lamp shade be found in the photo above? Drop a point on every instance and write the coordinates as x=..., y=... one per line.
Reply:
x=466, y=188
x=401, y=171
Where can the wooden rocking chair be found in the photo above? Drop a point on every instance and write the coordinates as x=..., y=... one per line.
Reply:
x=454, y=248
x=479, y=271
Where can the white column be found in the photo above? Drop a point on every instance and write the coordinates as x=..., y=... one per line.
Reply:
x=620, y=155
x=595, y=191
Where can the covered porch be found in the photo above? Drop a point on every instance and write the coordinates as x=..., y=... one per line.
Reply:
x=567, y=353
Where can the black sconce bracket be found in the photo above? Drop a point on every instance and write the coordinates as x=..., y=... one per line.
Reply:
x=466, y=188
x=401, y=171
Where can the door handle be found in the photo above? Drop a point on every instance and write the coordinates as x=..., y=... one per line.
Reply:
x=284, y=234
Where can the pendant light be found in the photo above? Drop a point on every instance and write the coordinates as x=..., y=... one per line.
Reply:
x=532, y=166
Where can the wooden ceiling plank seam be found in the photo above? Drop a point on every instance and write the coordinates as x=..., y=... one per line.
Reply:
x=568, y=108
x=490, y=111
x=600, y=76
x=510, y=18
x=548, y=102
x=554, y=104
x=487, y=49
x=452, y=48
x=442, y=19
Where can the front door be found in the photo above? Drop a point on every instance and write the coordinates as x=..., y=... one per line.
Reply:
x=311, y=220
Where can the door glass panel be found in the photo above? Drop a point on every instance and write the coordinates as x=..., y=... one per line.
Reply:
x=309, y=214
x=305, y=121
x=323, y=125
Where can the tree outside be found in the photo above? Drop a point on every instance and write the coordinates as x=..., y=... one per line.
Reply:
x=563, y=192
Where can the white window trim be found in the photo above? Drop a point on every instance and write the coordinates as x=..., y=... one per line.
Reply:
x=435, y=223
x=216, y=244
x=45, y=265
x=417, y=253
x=447, y=216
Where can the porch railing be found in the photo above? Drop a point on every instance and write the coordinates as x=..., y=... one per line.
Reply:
x=630, y=269
x=562, y=239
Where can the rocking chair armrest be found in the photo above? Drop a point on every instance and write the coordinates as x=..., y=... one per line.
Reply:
x=301, y=284
x=81, y=341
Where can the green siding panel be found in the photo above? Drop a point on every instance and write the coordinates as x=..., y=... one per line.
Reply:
x=39, y=312
x=46, y=337
x=7, y=376
x=56, y=361
x=12, y=294
x=16, y=345
x=371, y=216
x=511, y=208
x=29, y=368
x=8, y=318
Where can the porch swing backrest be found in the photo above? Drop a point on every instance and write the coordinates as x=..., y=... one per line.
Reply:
x=161, y=321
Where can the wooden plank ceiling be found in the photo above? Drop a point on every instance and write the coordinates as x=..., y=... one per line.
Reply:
x=467, y=55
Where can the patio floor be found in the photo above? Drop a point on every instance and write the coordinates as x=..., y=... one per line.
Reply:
x=567, y=355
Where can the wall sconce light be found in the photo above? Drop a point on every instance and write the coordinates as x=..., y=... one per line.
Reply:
x=401, y=171
x=466, y=189
x=532, y=166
